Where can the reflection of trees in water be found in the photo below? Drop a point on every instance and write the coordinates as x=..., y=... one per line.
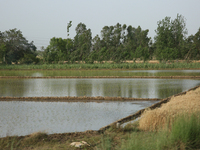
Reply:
x=127, y=89
x=12, y=87
x=165, y=91
x=130, y=91
x=137, y=88
x=83, y=88
x=141, y=88
x=112, y=90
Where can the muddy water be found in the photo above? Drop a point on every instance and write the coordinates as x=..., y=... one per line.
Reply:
x=22, y=118
x=136, y=88
x=43, y=73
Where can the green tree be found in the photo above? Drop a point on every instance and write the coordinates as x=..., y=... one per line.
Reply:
x=113, y=38
x=197, y=44
x=193, y=46
x=68, y=27
x=15, y=48
x=170, y=38
x=58, y=50
x=82, y=43
x=136, y=43
x=2, y=52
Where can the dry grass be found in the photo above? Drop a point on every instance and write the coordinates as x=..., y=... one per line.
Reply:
x=164, y=116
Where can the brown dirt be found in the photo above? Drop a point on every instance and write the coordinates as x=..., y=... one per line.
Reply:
x=97, y=99
x=66, y=77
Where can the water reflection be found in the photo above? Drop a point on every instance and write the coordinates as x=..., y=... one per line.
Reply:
x=137, y=88
x=22, y=118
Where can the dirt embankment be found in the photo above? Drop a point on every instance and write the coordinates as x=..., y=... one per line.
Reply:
x=76, y=99
x=71, y=77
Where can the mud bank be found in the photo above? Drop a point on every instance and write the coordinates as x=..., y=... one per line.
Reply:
x=71, y=77
x=76, y=99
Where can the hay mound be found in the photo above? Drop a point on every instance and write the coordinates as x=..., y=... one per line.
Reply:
x=158, y=118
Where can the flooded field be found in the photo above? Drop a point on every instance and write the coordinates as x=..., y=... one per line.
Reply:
x=43, y=73
x=23, y=118
x=134, y=88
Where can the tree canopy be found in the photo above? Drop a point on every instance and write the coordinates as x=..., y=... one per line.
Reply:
x=15, y=48
x=170, y=38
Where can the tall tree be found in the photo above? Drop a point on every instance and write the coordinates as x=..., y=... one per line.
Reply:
x=82, y=43
x=170, y=38
x=193, y=46
x=68, y=27
x=136, y=43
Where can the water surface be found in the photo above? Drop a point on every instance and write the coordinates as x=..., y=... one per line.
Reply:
x=23, y=118
x=136, y=88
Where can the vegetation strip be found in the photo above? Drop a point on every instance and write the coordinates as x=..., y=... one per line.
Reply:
x=139, y=113
x=75, y=99
x=107, y=65
x=70, y=77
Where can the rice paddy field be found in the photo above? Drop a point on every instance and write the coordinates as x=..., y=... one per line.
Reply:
x=174, y=125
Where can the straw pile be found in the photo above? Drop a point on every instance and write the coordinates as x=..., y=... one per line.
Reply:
x=161, y=117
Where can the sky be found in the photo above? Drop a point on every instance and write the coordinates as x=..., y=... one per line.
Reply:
x=41, y=20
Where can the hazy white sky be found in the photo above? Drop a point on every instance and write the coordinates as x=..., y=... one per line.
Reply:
x=40, y=20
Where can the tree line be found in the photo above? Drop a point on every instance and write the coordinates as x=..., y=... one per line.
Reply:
x=116, y=43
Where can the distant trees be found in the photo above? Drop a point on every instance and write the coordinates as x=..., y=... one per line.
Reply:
x=116, y=43
x=15, y=48
x=171, y=42
x=121, y=42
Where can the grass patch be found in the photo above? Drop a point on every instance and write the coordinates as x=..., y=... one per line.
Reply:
x=185, y=131
x=183, y=134
x=183, y=65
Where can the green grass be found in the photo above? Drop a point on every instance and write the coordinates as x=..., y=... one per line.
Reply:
x=183, y=65
x=186, y=131
x=183, y=134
